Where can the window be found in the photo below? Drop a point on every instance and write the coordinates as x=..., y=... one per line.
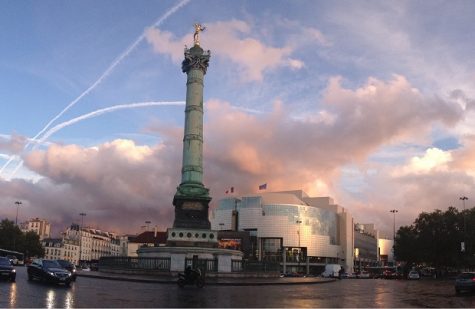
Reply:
x=271, y=245
x=251, y=202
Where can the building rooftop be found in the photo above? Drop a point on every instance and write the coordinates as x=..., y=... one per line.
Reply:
x=150, y=237
x=52, y=240
x=281, y=198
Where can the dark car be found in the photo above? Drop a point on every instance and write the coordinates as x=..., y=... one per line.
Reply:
x=48, y=271
x=6, y=269
x=68, y=266
x=465, y=282
x=388, y=274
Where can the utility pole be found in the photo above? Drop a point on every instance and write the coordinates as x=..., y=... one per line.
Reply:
x=463, y=244
x=17, y=203
x=82, y=214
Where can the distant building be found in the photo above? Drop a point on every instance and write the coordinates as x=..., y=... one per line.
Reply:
x=130, y=244
x=39, y=226
x=61, y=249
x=366, y=246
x=386, y=252
x=94, y=243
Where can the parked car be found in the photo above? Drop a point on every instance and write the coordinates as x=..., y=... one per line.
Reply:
x=363, y=275
x=388, y=274
x=94, y=266
x=465, y=282
x=413, y=275
x=68, y=266
x=49, y=271
x=346, y=275
x=13, y=259
x=6, y=269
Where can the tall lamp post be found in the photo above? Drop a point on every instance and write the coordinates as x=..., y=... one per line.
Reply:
x=463, y=246
x=17, y=203
x=82, y=214
x=394, y=211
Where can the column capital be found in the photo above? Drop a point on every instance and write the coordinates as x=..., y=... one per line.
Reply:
x=195, y=58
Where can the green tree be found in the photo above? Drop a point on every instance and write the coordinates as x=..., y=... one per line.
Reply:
x=405, y=247
x=434, y=239
x=32, y=245
x=10, y=235
x=12, y=238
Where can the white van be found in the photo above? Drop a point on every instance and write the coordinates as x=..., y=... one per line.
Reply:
x=331, y=271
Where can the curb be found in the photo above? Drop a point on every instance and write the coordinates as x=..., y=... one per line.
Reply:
x=212, y=283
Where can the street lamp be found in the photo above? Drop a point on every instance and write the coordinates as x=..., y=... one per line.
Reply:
x=147, y=224
x=463, y=199
x=394, y=211
x=82, y=214
x=17, y=203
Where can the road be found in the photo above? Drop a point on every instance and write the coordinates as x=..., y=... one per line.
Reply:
x=90, y=292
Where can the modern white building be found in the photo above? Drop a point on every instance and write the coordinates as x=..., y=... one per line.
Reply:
x=303, y=233
x=39, y=226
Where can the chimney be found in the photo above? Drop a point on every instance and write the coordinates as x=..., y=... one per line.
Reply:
x=155, y=232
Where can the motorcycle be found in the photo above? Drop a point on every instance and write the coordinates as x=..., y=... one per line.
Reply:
x=191, y=277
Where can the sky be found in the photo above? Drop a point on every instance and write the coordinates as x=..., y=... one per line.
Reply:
x=368, y=102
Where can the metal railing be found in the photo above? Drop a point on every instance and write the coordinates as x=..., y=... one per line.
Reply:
x=124, y=262
x=254, y=266
x=206, y=265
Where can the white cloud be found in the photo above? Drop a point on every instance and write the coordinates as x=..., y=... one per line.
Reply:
x=434, y=159
x=232, y=41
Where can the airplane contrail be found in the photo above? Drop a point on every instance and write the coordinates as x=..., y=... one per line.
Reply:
x=93, y=114
x=104, y=75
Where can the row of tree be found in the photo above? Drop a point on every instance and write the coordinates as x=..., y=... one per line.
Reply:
x=435, y=239
x=12, y=238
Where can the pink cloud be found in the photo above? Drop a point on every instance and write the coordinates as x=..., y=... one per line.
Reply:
x=121, y=184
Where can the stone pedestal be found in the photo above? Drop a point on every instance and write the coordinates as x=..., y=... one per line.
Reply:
x=182, y=237
x=178, y=256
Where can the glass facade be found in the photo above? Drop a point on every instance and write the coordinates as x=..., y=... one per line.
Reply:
x=321, y=221
x=251, y=202
x=229, y=204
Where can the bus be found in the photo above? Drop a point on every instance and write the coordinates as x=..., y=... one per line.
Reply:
x=16, y=258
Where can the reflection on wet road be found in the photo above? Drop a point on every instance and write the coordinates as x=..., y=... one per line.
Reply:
x=89, y=292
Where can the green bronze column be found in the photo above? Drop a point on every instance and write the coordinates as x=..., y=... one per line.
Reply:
x=192, y=198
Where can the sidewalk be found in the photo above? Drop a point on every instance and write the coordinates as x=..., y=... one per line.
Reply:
x=209, y=281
